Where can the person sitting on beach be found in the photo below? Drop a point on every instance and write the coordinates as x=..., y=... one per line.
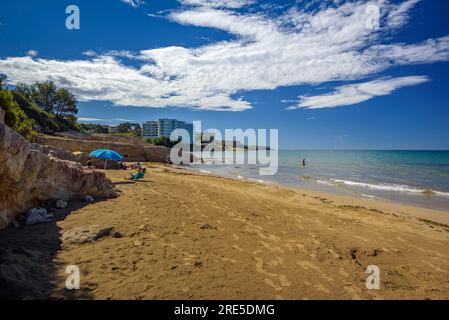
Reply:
x=122, y=166
x=138, y=175
x=90, y=165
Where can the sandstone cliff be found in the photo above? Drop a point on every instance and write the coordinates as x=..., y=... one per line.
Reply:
x=29, y=177
x=135, y=149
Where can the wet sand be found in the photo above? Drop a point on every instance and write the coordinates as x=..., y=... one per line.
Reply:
x=185, y=235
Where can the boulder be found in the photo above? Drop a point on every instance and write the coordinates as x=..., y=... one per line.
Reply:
x=81, y=235
x=61, y=204
x=37, y=216
x=29, y=177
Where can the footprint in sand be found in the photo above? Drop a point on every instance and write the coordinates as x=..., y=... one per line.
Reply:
x=259, y=268
x=322, y=288
x=272, y=284
x=272, y=249
x=229, y=260
x=343, y=273
x=306, y=265
x=284, y=281
x=236, y=247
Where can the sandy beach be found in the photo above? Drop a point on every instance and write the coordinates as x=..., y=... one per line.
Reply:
x=185, y=235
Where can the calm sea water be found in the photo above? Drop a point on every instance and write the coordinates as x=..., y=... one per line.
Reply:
x=419, y=178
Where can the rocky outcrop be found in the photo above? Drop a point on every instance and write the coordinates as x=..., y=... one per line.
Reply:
x=134, y=149
x=2, y=115
x=82, y=157
x=29, y=177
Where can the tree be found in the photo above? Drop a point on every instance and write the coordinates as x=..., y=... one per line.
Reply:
x=59, y=102
x=65, y=105
x=44, y=95
x=130, y=128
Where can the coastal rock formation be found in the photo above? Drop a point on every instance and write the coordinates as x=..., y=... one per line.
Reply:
x=81, y=157
x=29, y=177
x=133, y=148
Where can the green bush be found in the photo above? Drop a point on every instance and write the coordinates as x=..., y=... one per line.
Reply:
x=15, y=117
x=44, y=121
x=161, y=141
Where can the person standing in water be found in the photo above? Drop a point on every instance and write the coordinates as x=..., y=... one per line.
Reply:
x=303, y=162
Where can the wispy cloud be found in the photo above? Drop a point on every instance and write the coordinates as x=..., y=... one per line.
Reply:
x=134, y=3
x=105, y=121
x=299, y=47
x=357, y=93
x=232, y=4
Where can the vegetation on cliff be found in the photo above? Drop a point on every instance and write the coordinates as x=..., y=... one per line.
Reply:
x=40, y=107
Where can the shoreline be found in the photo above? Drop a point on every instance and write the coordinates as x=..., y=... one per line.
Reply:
x=413, y=211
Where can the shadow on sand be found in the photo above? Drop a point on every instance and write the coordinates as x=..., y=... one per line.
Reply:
x=27, y=260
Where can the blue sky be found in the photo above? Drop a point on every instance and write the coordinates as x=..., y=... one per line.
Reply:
x=319, y=71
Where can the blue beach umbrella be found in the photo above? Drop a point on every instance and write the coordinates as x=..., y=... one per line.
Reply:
x=107, y=155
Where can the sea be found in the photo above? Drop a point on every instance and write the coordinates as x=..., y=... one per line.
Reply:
x=418, y=178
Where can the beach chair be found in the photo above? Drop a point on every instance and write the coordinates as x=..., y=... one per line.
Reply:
x=138, y=176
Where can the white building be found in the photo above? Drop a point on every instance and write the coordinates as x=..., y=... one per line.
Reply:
x=164, y=128
x=112, y=129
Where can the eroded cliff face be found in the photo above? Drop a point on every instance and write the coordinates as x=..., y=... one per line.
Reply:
x=134, y=149
x=29, y=177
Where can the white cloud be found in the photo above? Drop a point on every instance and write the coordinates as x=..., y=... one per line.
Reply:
x=105, y=121
x=32, y=53
x=231, y=4
x=134, y=3
x=398, y=16
x=357, y=93
x=300, y=47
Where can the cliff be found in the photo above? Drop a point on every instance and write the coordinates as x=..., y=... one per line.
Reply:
x=29, y=177
x=135, y=149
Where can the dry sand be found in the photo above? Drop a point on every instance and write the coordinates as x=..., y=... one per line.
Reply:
x=185, y=235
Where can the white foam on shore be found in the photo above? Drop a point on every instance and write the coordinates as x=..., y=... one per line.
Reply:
x=205, y=171
x=390, y=187
x=325, y=182
x=369, y=196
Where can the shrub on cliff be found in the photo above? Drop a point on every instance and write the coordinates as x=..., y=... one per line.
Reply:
x=161, y=141
x=57, y=105
x=44, y=122
x=15, y=117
